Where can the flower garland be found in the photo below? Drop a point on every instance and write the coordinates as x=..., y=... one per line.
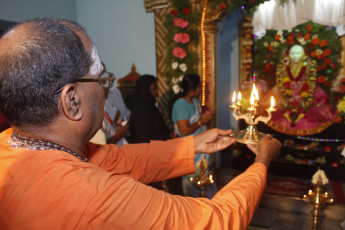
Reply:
x=338, y=89
x=320, y=43
x=182, y=38
x=183, y=31
x=321, y=147
x=285, y=81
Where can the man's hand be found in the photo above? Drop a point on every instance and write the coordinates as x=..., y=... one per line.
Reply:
x=212, y=141
x=267, y=148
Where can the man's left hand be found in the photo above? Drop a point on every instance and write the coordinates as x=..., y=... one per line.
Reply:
x=212, y=141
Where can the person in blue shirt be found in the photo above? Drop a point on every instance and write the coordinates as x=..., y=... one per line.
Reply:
x=189, y=119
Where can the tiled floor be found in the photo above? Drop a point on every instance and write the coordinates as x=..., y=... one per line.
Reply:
x=285, y=213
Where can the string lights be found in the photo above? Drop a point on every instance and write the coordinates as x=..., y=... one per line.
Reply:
x=203, y=54
x=320, y=139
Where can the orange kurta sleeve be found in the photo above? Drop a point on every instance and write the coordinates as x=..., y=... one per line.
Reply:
x=157, y=161
x=142, y=207
x=50, y=189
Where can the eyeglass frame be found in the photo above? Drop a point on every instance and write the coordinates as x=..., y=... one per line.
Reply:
x=99, y=80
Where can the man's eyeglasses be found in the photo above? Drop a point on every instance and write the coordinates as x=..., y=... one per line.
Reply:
x=106, y=80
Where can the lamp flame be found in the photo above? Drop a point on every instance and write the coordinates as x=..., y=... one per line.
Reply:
x=256, y=93
x=272, y=102
x=234, y=97
x=252, y=100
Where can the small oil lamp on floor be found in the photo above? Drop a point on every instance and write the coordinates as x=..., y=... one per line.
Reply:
x=250, y=135
x=317, y=198
x=202, y=181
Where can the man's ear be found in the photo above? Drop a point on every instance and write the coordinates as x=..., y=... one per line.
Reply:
x=70, y=102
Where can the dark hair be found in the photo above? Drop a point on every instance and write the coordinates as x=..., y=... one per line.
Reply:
x=142, y=93
x=189, y=82
x=45, y=57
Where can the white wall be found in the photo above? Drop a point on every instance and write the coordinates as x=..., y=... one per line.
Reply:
x=21, y=10
x=123, y=33
x=121, y=29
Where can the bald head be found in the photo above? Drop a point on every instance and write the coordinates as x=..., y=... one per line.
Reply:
x=14, y=40
x=38, y=57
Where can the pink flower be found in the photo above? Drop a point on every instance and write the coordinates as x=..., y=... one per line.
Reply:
x=181, y=37
x=179, y=22
x=179, y=52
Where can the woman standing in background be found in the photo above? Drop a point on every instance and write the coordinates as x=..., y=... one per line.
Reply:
x=146, y=123
x=188, y=120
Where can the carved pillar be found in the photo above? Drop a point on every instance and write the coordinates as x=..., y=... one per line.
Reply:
x=161, y=8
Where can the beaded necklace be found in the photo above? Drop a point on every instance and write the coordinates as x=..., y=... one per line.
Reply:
x=36, y=144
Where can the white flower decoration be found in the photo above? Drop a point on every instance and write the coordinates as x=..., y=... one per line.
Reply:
x=183, y=67
x=180, y=78
x=265, y=44
x=280, y=32
x=319, y=173
x=319, y=51
x=176, y=88
x=174, y=80
x=302, y=41
x=314, y=36
x=174, y=65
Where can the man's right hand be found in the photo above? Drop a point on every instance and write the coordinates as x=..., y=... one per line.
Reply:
x=267, y=148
